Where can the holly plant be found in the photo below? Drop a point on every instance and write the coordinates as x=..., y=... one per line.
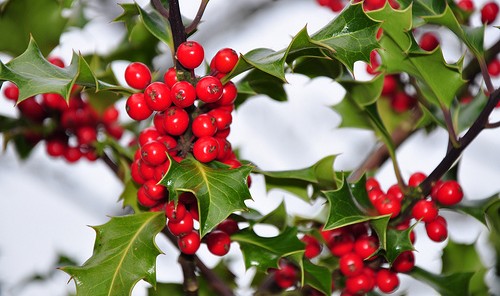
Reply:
x=183, y=180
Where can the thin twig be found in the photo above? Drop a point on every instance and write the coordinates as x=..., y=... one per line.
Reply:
x=112, y=165
x=188, y=271
x=449, y=126
x=493, y=125
x=160, y=8
x=486, y=75
x=194, y=25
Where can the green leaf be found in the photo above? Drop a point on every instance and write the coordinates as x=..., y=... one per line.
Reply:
x=348, y=38
x=124, y=253
x=343, y=208
x=398, y=241
x=219, y=191
x=318, y=277
x=485, y=211
x=157, y=25
x=317, y=66
x=41, y=19
x=400, y=53
x=278, y=217
x=320, y=174
x=257, y=82
x=33, y=75
x=265, y=252
x=446, y=285
x=468, y=113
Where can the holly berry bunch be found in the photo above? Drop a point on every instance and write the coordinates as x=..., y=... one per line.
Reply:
x=191, y=116
x=69, y=129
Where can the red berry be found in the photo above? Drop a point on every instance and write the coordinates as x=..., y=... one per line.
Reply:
x=428, y=41
x=223, y=118
x=135, y=173
x=225, y=60
x=86, y=135
x=358, y=284
x=425, y=210
x=56, y=62
x=170, y=77
x=204, y=125
x=54, y=101
x=110, y=115
x=390, y=85
x=494, y=67
x=11, y=92
x=466, y=5
x=340, y=242
x=371, y=183
x=183, y=94
x=209, y=89
x=373, y=4
x=229, y=94
x=374, y=63
x=182, y=227
x=351, y=264
x=404, y=262
x=396, y=192
x=416, y=179
x=437, y=229
x=161, y=170
x=336, y=5
x=229, y=226
x=137, y=107
x=189, y=243
x=449, y=193
x=154, y=153
x=144, y=199
x=146, y=171
x=154, y=190
x=157, y=96
x=387, y=281
x=190, y=54
x=169, y=142
x=72, y=154
x=137, y=75
x=205, y=149
x=365, y=246
x=218, y=242
x=489, y=12
x=224, y=149
x=158, y=120
x=286, y=276
x=313, y=247
x=402, y=102
x=32, y=110
x=388, y=204
x=175, y=213
x=147, y=135
x=374, y=194
x=176, y=121
x=56, y=147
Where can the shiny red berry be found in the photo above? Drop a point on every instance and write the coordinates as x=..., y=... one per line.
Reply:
x=449, y=193
x=404, y=262
x=154, y=190
x=181, y=227
x=218, y=242
x=137, y=75
x=312, y=248
x=137, y=107
x=190, y=54
x=175, y=213
x=176, y=121
x=416, y=179
x=154, y=153
x=428, y=41
x=437, y=229
x=425, y=210
x=189, y=243
x=365, y=246
x=206, y=149
x=489, y=12
x=209, y=89
x=183, y=94
x=387, y=281
x=204, y=125
x=229, y=226
x=351, y=264
x=225, y=60
x=157, y=96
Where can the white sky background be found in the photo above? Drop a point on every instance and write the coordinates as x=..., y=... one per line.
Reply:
x=45, y=204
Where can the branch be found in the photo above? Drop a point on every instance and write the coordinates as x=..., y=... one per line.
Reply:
x=194, y=25
x=177, y=27
x=188, y=270
x=160, y=8
x=217, y=284
x=112, y=165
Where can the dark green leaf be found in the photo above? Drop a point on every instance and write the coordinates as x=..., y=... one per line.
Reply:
x=484, y=211
x=124, y=253
x=446, y=285
x=265, y=252
x=219, y=191
x=256, y=82
x=398, y=241
x=278, y=217
x=468, y=113
x=317, y=66
x=157, y=25
x=318, y=277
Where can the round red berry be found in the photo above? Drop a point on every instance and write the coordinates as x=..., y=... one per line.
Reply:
x=189, y=243
x=286, y=276
x=390, y=85
x=157, y=96
x=218, y=242
x=449, y=193
x=416, y=179
x=204, y=125
x=110, y=115
x=137, y=107
x=183, y=226
x=176, y=121
x=387, y=281
x=489, y=12
x=396, y=192
x=437, y=229
x=137, y=75
x=147, y=135
x=154, y=190
x=144, y=199
x=373, y=4
x=190, y=54
x=351, y=264
x=402, y=102
x=340, y=242
x=183, y=94
x=229, y=226
x=225, y=60
x=223, y=118
x=146, y=171
x=404, y=262
x=466, y=5
x=313, y=247
x=154, y=153
x=428, y=41
x=86, y=135
x=494, y=67
x=229, y=94
x=371, y=183
x=56, y=147
x=209, y=89
x=11, y=92
x=175, y=213
x=358, y=284
x=205, y=149
x=387, y=204
x=425, y=210
x=170, y=77
x=365, y=246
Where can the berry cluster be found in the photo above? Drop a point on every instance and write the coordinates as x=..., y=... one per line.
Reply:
x=368, y=5
x=192, y=116
x=69, y=129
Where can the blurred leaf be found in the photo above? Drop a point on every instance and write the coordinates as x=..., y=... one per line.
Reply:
x=124, y=253
x=33, y=75
x=348, y=38
x=219, y=191
x=157, y=25
x=21, y=20
x=318, y=277
x=468, y=113
x=401, y=53
x=265, y=252
x=484, y=211
x=446, y=285
x=296, y=182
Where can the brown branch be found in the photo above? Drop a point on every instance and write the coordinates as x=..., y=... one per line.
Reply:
x=188, y=271
x=194, y=25
x=112, y=165
x=160, y=8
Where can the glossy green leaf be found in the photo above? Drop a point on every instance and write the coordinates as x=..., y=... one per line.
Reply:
x=219, y=191
x=257, y=82
x=398, y=241
x=445, y=285
x=129, y=195
x=317, y=66
x=379, y=225
x=278, y=217
x=22, y=19
x=464, y=257
x=468, y=113
x=296, y=182
x=157, y=25
x=265, y=252
x=400, y=53
x=318, y=277
x=33, y=75
x=350, y=37
x=124, y=253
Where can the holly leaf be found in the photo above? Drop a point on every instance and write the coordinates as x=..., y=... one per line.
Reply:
x=484, y=211
x=41, y=19
x=219, y=191
x=318, y=277
x=350, y=37
x=278, y=217
x=320, y=174
x=401, y=53
x=124, y=253
x=33, y=75
x=265, y=252
x=157, y=25
x=257, y=82
x=397, y=242
x=468, y=113
x=445, y=285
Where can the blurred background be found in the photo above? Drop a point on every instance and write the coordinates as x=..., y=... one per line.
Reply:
x=47, y=204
